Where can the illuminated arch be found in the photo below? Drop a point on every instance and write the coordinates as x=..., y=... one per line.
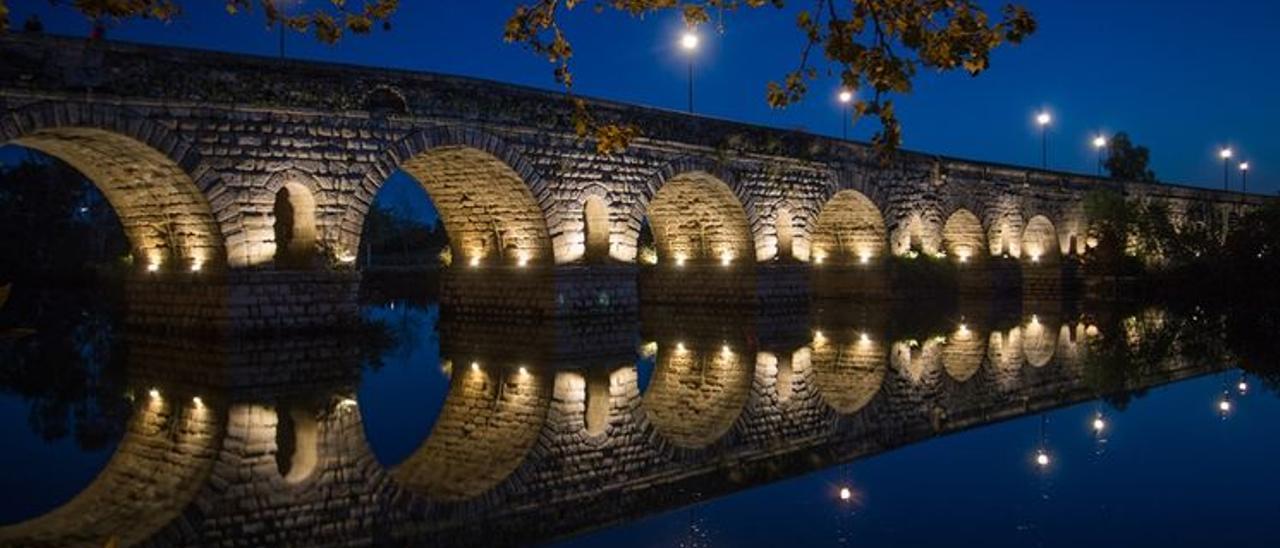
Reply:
x=914, y=360
x=1004, y=234
x=1004, y=349
x=142, y=169
x=296, y=237
x=784, y=232
x=487, y=426
x=963, y=237
x=849, y=228
x=848, y=374
x=1040, y=240
x=963, y=353
x=494, y=206
x=1038, y=342
x=595, y=228
x=696, y=217
x=697, y=394
x=157, y=471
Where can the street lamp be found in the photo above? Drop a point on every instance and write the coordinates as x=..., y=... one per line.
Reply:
x=1100, y=143
x=1244, y=176
x=689, y=42
x=846, y=97
x=1225, y=153
x=1043, y=119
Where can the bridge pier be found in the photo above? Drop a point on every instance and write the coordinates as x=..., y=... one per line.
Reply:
x=243, y=301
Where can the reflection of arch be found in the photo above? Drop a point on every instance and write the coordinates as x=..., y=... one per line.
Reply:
x=849, y=228
x=295, y=226
x=696, y=217
x=494, y=206
x=1070, y=343
x=1038, y=342
x=159, y=467
x=696, y=395
x=848, y=374
x=962, y=356
x=296, y=451
x=1004, y=349
x=1040, y=240
x=143, y=171
x=962, y=236
x=914, y=360
x=486, y=427
x=595, y=226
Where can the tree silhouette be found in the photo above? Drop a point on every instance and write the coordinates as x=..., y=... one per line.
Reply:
x=1126, y=161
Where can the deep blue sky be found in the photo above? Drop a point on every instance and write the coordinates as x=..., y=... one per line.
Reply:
x=1182, y=77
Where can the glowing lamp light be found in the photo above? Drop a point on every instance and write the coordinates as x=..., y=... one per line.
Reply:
x=475, y=261
x=1099, y=142
x=845, y=493
x=1244, y=166
x=475, y=366
x=523, y=371
x=1225, y=153
x=964, y=329
x=346, y=403
x=863, y=338
x=725, y=349
x=1042, y=458
x=153, y=267
x=680, y=258
x=1035, y=257
x=864, y=257
x=845, y=96
x=689, y=41
x=346, y=258
x=154, y=393
x=522, y=261
x=726, y=258
x=680, y=347
x=1044, y=118
x=196, y=266
x=818, y=258
x=963, y=255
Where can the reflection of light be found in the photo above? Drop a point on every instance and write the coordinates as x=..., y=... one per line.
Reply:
x=523, y=260
x=197, y=401
x=1035, y=319
x=523, y=371
x=817, y=335
x=819, y=257
x=864, y=257
x=346, y=258
x=726, y=258
x=475, y=261
x=1042, y=458
x=154, y=393
x=725, y=349
x=1224, y=405
x=863, y=338
x=153, y=267
x=680, y=259
x=964, y=329
x=346, y=403
x=196, y=266
x=1035, y=257
x=680, y=347
x=1098, y=424
x=1242, y=386
x=475, y=366
x=845, y=493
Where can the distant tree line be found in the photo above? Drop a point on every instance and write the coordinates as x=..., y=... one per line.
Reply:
x=395, y=239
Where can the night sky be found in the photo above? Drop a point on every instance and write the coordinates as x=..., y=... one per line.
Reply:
x=1181, y=77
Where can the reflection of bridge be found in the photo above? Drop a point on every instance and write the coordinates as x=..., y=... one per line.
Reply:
x=221, y=162
x=258, y=442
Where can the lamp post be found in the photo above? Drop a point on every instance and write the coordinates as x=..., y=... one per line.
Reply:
x=846, y=97
x=1225, y=153
x=1043, y=120
x=689, y=42
x=1244, y=176
x=1100, y=143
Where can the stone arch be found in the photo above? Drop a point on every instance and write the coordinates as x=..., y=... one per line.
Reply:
x=849, y=229
x=698, y=392
x=848, y=374
x=296, y=440
x=294, y=211
x=494, y=205
x=697, y=217
x=963, y=237
x=1040, y=240
x=153, y=178
x=595, y=228
x=163, y=462
x=917, y=230
x=742, y=215
x=385, y=101
x=487, y=426
x=1004, y=234
x=962, y=356
x=784, y=231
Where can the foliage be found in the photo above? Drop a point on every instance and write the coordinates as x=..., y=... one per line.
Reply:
x=920, y=273
x=328, y=22
x=1126, y=161
x=1131, y=235
x=393, y=238
x=878, y=45
x=56, y=222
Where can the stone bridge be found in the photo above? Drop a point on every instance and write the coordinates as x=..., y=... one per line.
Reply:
x=239, y=442
x=220, y=163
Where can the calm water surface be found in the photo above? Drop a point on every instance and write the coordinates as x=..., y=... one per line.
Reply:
x=860, y=427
